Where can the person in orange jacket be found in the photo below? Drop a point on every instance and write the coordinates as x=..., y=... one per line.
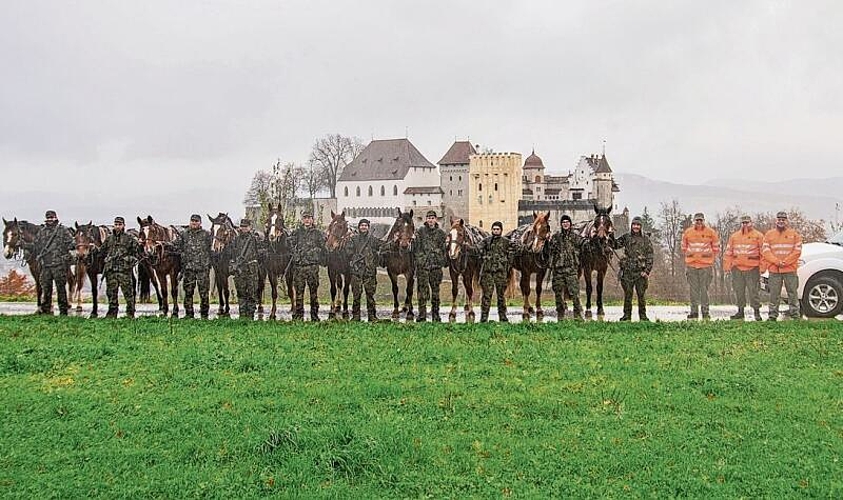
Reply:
x=742, y=259
x=700, y=244
x=781, y=250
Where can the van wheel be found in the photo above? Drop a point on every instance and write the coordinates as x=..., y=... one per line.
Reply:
x=822, y=297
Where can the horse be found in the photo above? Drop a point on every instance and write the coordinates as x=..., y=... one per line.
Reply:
x=163, y=263
x=277, y=261
x=533, y=257
x=596, y=255
x=16, y=235
x=462, y=262
x=397, y=257
x=339, y=262
x=90, y=261
x=223, y=232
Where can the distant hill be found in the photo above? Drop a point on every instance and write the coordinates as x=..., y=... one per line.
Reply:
x=816, y=197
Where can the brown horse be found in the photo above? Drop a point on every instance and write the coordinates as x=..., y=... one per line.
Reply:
x=164, y=264
x=533, y=257
x=397, y=257
x=461, y=238
x=223, y=232
x=16, y=236
x=277, y=262
x=339, y=263
x=596, y=255
x=90, y=261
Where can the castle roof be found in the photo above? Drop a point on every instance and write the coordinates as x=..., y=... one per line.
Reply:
x=388, y=159
x=533, y=161
x=458, y=153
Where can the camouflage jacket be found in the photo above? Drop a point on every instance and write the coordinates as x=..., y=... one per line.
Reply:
x=52, y=246
x=638, y=253
x=194, y=246
x=497, y=253
x=121, y=252
x=565, y=249
x=363, y=254
x=308, y=246
x=429, y=248
x=246, y=248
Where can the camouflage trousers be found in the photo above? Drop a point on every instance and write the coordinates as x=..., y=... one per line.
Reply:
x=246, y=284
x=121, y=280
x=632, y=281
x=358, y=285
x=698, y=281
x=791, y=286
x=427, y=284
x=306, y=276
x=191, y=279
x=746, y=281
x=565, y=280
x=48, y=276
x=493, y=282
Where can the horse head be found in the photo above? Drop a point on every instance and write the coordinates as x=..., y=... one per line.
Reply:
x=538, y=233
x=457, y=239
x=11, y=237
x=337, y=231
x=402, y=230
x=222, y=230
x=152, y=234
x=601, y=227
x=86, y=238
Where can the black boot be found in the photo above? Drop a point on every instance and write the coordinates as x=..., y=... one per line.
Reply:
x=484, y=315
x=502, y=316
x=738, y=315
x=757, y=311
x=422, y=316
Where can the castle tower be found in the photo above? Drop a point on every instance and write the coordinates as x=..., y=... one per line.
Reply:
x=495, y=184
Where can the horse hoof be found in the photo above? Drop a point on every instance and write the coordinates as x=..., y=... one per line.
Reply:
x=588, y=314
x=272, y=317
x=78, y=309
x=260, y=309
x=539, y=316
x=469, y=318
x=345, y=315
x=452, y=318
x=531, y=310
x=525, y=316
x=600, y=313
x=332, y=315
x=410, y=316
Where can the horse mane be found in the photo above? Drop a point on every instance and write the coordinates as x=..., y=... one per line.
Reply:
x=474, y=234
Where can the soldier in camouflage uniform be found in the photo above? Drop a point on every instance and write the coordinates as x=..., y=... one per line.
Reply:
x=53, y=248
x=496, y=252
x=635, y=268
x=363, y=250
x=308, y=244
x=246, y=248
x=430, y=257
x=121, y=252
x=565, y=246
x=194, y=247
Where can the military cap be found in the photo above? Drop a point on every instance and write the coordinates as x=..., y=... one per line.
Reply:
x=245, y=222
x=781, y=215
x=637, y=220
x=195, y=217
x=497, y=223
x=699, y=216
x=431, y=213
x=119, y=220
x=363, y=221
x=746, y=218
x=306, y=213
x=565, y=217
x=50, y=214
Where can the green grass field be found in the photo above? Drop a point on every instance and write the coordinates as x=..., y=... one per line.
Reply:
x=155, y=408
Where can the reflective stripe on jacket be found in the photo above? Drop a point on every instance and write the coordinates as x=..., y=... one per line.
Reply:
x=700, y=246
x=782, y=247
x=744, y=251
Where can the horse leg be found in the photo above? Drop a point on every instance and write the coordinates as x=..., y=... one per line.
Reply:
x=81, y=272
x=153, y=278
x=455, y=284
x=525, y=292
x=174, y=290
x=291, y=290
x=273, y=291
x=468, y=282
x=394, y=279
x=92, y=277
x=408, y=302
x=333, y=276
x=345, y=290
x=539, y=283
x=601, y=274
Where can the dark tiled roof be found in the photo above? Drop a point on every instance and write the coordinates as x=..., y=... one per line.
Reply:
x=388, y=159
x=424, y=190
x=533, y=160
x=599, y=164
x=458, y=154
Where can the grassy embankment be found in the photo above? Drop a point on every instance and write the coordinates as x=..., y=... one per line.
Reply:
x=174, y=409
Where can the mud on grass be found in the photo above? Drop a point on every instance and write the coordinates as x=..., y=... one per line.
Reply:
x=173, y=409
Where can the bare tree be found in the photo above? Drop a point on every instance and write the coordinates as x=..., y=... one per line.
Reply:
x=672, y=221
x=312, y=182
x=287, y=179
x=725, y=223
x=331, y=154
x=259, y=191
x=810, y=230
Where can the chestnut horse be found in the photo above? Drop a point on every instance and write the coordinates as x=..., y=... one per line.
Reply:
x=532, y=257
x=223, y=232
x=596, y=255
x=339, y=263
x=277, y=262
x=90, y=261
x=463, y=262
x=164, y=264
x=397, y=257
x=16, y=235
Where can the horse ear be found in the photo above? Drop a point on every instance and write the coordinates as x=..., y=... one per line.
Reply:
x=149, y=219
x=399, y=212
x=596, y=208
x=535, y=215
x=462, y=222
x=333, y=215
x=140, y=221
x=211, y=219
x=5, y=222
x=411, y=213
x=342, y=214
x=75, y=224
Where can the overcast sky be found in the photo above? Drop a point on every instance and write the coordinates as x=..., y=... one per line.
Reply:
x=168, y=107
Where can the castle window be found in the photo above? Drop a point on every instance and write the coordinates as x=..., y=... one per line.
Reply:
x=358, y=191
x=538, y=179
x=346, y=191
x=451, y=192
x=383, y=191
x=480, y=187
x=460, y=178
x=370, y=190
x=395, y=190
x=451, y=178
x=481, y=223
x=496, y=186
x=459, y=192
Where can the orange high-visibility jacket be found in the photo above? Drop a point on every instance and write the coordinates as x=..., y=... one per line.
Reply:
x=783, y=247
x=700, y=247
x=744, y=251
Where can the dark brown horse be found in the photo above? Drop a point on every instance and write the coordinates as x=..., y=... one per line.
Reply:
x=596, y=255
x=16, y=235
x=277, y=261
x=165, y=264
x=223, y=232
x=339, y=263
x=90, y=261
x=532, y=257
x=462, y=262
x=398, y=259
